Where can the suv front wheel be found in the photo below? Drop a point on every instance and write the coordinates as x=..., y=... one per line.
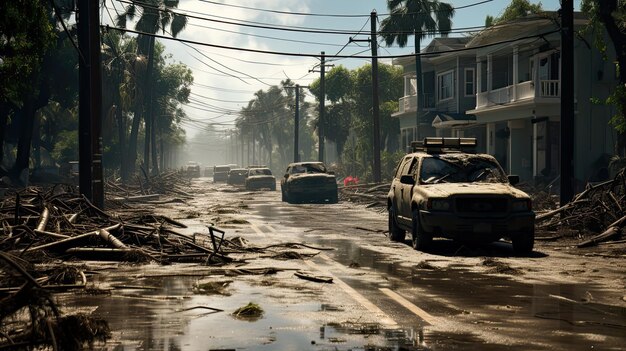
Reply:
x=395, y=232
x=420, y=240
x=523, y=243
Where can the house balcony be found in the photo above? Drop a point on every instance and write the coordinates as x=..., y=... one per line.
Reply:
x=545, y=91
x=408, y=103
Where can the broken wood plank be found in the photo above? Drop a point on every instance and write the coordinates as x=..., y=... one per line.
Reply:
x=43, y=221
x=70, y=240
x=109, y=238
x=313, y=277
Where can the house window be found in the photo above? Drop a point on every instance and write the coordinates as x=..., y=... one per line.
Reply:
x=410, y=86
x=445, y=85
x=470, y=82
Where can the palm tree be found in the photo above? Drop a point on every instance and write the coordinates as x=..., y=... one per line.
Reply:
x=420, y=18
x=155, y=15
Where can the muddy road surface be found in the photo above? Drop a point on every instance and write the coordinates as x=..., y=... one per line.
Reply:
x=383, y=295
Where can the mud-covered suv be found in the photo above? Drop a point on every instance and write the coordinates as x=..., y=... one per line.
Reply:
x=443, y=189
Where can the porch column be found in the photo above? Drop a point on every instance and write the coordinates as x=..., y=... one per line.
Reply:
x=515, y=72
x=489, y=72
x=520, y=148
x=535, y=161
x=491, y=139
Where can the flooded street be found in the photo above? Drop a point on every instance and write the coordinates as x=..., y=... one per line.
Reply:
x=383, y=296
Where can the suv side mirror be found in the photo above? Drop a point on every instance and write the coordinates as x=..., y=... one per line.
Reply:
x=407, y=179
x=513, y=179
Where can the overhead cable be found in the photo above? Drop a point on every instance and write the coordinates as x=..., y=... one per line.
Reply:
x=425, y=54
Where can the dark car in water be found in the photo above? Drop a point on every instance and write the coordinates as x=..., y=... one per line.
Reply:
x=237, y=176
x=308, y=181
x=193, y=169
x=260, y=178
x=220, y=173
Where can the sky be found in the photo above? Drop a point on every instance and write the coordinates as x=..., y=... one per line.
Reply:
x=226, y=77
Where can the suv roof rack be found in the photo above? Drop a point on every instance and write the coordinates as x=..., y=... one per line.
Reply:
x=439, y=145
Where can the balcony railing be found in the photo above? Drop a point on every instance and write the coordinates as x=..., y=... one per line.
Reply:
x=409, y=103
x=522, y=91
x=550, y=88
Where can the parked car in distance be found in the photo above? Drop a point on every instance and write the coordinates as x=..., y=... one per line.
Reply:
x=193, y=169
x=260, y=178
x=220, y=173
x=208, y=171
x=443, y=189
x=308, y=181
x=237, y=176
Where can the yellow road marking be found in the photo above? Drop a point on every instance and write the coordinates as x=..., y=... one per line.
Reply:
x=384, y=318
x=410, y=306
x=257, y=229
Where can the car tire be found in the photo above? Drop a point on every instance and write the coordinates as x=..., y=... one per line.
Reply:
x=333, y=198
x=283, y=195
x=273, y=188
x=395, y=232
x=420, y=240
x=523, y=243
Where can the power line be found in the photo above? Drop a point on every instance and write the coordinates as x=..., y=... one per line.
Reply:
x=324, y=14
x=261, y=25
x=245, y=23
x=263, y=36
x=107, y=27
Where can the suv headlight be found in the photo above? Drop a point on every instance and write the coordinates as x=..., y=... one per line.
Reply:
x=521, y=205
x=438, y=204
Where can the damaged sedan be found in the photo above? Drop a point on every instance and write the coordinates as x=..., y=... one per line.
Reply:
x=308, y=182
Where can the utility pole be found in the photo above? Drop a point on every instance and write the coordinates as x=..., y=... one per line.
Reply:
x=375, y=100
x=90, y=103
x=320, y=125
x=296, y=127
x=375, y=107
x=296, y=124
x=567, y=101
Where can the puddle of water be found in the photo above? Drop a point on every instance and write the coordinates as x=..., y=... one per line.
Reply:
x=523, y=309
x=166, y=317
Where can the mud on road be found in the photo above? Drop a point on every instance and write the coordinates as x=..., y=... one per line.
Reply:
x=383, y=295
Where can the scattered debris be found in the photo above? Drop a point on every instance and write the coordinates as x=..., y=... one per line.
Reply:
x=497, y=267
x=213, y=288
x=313, y=277
x=599, y=209
x=251, y=310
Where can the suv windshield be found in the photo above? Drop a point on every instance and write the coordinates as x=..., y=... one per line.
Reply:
x=309, y=168
x=468, y=169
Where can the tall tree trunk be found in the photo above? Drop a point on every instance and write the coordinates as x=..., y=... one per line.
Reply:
x=4, y=111
x=140, y=72
x=121, y=135
x=36, y=141
x=418, y=83
x=19, y=172
x=607, y=10
x=150, y=145
x=132, y=142
x=155, y=160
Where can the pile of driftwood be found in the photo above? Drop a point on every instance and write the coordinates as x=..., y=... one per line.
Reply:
x=60, y=223
x=598, y=210
x=370, y=194
x=41, y=229
x=173, y=184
